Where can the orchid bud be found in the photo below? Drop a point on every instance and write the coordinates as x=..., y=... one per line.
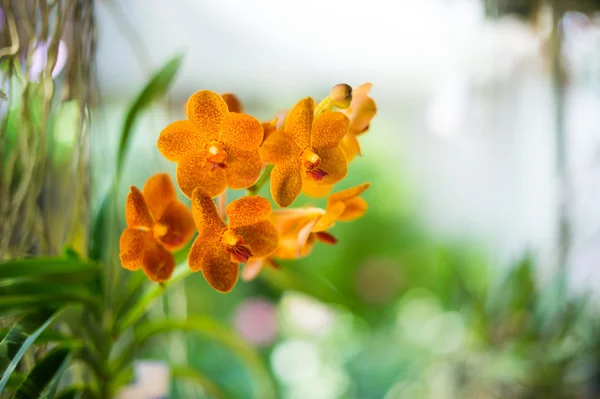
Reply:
x=341, y=96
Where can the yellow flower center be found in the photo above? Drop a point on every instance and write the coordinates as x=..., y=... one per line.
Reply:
x=159, y=230
x=216, y=155
x=234, y=246
x=311, y=162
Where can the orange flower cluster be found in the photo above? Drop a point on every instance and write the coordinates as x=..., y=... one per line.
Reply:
x=219, y=147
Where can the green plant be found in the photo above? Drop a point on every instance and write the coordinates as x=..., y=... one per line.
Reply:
x=84, y=335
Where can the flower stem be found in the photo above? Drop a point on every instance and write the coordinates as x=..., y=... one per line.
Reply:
x=323, y=106
x=253, y=190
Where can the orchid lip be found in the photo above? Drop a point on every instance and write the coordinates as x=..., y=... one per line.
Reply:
x=216, y=165
x=216, y=155
x=316, y=174
x=240, y=253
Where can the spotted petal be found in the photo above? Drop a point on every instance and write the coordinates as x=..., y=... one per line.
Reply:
x=178, y=220
x=180, y=138
x=243, y=168
x=194, y=171
x=243, y=132
x=207, y=218
x=279, y=147
x=261, y=237
x=248, y=210
x=133, y=243
x=208, y=111
x=210, y=257
x=159, y=263
x=286, y=182
x=333, y=162
x=329, y=128
x=159, y=193
x=299, y=122
x=137, y=213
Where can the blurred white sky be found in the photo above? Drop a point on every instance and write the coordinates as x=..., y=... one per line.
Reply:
x=465, y=104
x=283, y=45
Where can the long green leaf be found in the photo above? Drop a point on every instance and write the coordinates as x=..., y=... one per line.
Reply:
x=156, y=88
x=130, y=316
x=207, y=327
x=20, y=338
x=50, y=393
x=69, y=270
x=189, y=374
x=136, y=285
x=100, y=229
x=47, y=336
x=19, y=293
x=44, y=372
x=14, y=381
x=72, y=392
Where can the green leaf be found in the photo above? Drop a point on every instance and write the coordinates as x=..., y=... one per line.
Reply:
x=20, y=338
x=44, y=372
x=100, y=229
x=65, y=270
x=209, y=328
x=23, y=293
x=14, y=381
x=129, y=316
x=189, y=374
x=72, y=392
x=46, y=336
x=51, y=391
x=156, y=88
x=520, y=285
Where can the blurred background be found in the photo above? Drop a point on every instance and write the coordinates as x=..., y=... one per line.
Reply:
x=485, y=139
x=474, y=272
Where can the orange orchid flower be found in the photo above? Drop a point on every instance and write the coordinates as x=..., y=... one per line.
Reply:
x=362, y=109
x=307, y=148
x=219, y=249
x=233, y=102
x=299, y=229
x=158, y=224
x=214, y=148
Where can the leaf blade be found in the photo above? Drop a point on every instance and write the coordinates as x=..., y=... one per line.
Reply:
x=156, y=87
x=42, y=268
x=47, y=370
x=20, y=338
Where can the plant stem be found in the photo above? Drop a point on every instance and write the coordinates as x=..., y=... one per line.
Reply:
x=253, y=190
x=562, y=170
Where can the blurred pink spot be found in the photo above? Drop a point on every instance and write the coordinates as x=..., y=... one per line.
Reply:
x=256, y=321
x=40, y=58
